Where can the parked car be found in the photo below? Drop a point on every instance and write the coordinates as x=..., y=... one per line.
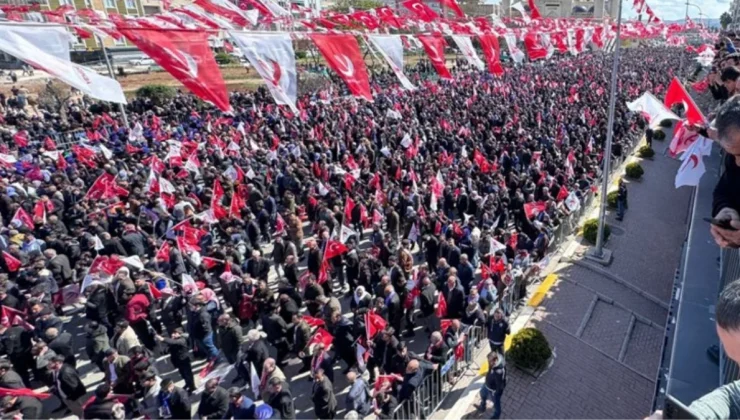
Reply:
x=143, y=61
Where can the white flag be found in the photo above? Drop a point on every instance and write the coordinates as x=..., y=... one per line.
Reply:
x=166, y=186
x=360, y=356
x=275, y=8
x=322, y=189
x=692, y=167
x=345, y=234
x=82, y=78
x=514, y=52
x=250, y=15
x=220, y=373
x=254, y=381
x=390, y=48
x=571, y=39
x=406, y=141
x=572, y=201
x=98, y=243
x=53, y=40
x=652, y=109
x=465, y=45
x=105, y=151
x=520, y=8
x=497, y=246
x=273, y=57
x=10, y=159
x=134, y=261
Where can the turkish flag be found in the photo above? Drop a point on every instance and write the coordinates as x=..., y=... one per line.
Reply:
x=441, y=310
x=534, y=12
x=237, y=204
x=163, y=254
x=535, y=50
x=21, y=217
x=384, y=382
x=366, y=19
x=21, y=138
x=421, y=10
x=343, y=55
x=333, y=249
x=491, y=50
x=452, y=5
x=314, y=322
x=444, y=324
x=374, y=324
x=23, y=392
x=226, y=9
x=529, y=208
x=13, y=263
x=676, y=94
x=435, y=49
x=349, y=205
x=187, y=56
x=562, y=194
x=321, y=336
x=209, y=262
x=10, y=317
x=156, y=294
x=386, y=14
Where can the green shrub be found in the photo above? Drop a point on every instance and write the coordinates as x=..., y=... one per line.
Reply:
x=529, y=349
x=224, y=58
x=591, y=228
x=634, y=170
x=301, y=55
x=659, y=135
x=646, y=152
x=667, y=123
x=611, y=199
x=159, y=94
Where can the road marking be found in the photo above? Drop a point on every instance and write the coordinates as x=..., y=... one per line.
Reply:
x=542, y=290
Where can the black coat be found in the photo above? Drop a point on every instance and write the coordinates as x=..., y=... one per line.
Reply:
x=282, y=403
x=215, y=405
x=11, y=380
x=395, y=312
x=455, y=299
x=275, y=328
x=427, y=299
x=291, y=274
x=178, y=349
x=62, y=345
x=230, y=338
x=172, y=312
x=180, y=404
x=70, y=383
x=96, y=307
x=257, y=354
x=324, y=401
x=100, y=409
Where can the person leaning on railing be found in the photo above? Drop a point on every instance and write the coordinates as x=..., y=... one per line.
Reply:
x=723, y=402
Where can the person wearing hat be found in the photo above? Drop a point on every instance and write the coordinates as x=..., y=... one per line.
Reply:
x=104, y=405
x=180, y=356
x=45, y=320
x=25, y=406
x=240, y=407
x=174, y=402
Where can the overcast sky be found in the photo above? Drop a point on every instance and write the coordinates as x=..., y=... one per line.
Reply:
x=676, y=9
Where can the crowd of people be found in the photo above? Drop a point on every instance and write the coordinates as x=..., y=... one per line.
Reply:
x=250, y=241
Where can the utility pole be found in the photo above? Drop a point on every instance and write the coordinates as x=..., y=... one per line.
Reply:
x=599, y=253
x=112, y=76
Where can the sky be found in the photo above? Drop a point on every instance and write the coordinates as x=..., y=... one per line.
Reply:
x=676, y=9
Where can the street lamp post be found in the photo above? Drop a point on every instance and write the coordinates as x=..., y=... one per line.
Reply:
x=599, y=253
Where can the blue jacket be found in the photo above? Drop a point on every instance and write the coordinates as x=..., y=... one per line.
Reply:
x=358, y=397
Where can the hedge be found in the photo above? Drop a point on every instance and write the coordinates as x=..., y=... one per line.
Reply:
x=224, y=58
x=529, y=349
x=591, y=230
x=659, y=135
x=634, y=170
x=646, y=152
x=611, y=199
x=667, y=123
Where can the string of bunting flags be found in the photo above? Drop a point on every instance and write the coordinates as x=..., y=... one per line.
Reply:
x=177, y=39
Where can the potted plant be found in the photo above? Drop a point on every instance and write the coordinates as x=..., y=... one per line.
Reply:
x=530, y=351
x=591, y=228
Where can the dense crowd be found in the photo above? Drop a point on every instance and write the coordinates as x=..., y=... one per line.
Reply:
x=254, y=239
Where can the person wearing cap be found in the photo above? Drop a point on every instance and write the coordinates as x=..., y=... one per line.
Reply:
x=67, y=385
x=240, y=407
x=174, y=402
x=45, y=320
x=104, y=405
x=180, y=356
x=26, y=406
x=214, y=402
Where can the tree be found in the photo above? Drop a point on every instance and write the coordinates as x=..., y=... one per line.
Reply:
x=343, y=6
x=725, y=20
x=55, y=97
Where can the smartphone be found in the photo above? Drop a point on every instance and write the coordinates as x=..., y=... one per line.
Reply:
x=675, y=409
x=724, y=223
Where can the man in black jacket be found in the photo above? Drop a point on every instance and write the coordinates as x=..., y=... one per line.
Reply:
x=229, y=337
x=455, y=298
x=498, y=328
x=96, y=306
x=394, y=308
x=254, y=353
x=180, y=356
x=494, y=385
x=27, y=407
x=427, y=300
x=281, y=400
x=61, y=343
x=214, y=403
x=67, y=385
x=173, y=401
x=8, y=377
x=277, y=332
x=202, y=329
x=726, y=201
x=322, y=395
x=103, y=405
x=15, y=342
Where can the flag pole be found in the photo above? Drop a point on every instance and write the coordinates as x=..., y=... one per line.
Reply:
x=599, y=253
x=683, y=50
x=112, y=76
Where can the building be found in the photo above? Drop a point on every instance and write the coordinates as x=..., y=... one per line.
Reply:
x=584, y=9
x=735, y=13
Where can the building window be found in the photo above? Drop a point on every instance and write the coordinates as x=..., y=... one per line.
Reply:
x=65, y=2
x=131, y=4
x=121, y=41
x=110, y=4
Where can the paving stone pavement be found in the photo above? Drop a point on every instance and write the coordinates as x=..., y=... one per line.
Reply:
x=587, y=378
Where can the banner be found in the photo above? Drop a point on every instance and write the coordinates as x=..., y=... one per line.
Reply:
x=343, y=55
x=390, y=48
x=435, y=49
x=465, y=45
x=516, y=54
x=53, y=40
x=491, y=50
x=273, y=57
x=421, y=10
x=230, y=11
x=81, y=78
x=187, y=57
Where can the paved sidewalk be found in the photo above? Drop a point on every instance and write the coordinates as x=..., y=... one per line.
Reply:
x=605, y=324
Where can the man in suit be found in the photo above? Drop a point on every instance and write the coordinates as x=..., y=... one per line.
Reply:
x=281, y=400
x=174, y=401
x=301, y=337
x=116, y=370
x=358, y=398
x=395, y=309
x=277, y=331
x=455, y=298
x=214, y=403
x=59, y=266
x=180, y=356
x=67, y=385
x=61, y=343
x=28, y=407
x=104, y=405
x=324, y=401
x=229, y=337
x=254, y=353
x=15, y=342
x=8, y=377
